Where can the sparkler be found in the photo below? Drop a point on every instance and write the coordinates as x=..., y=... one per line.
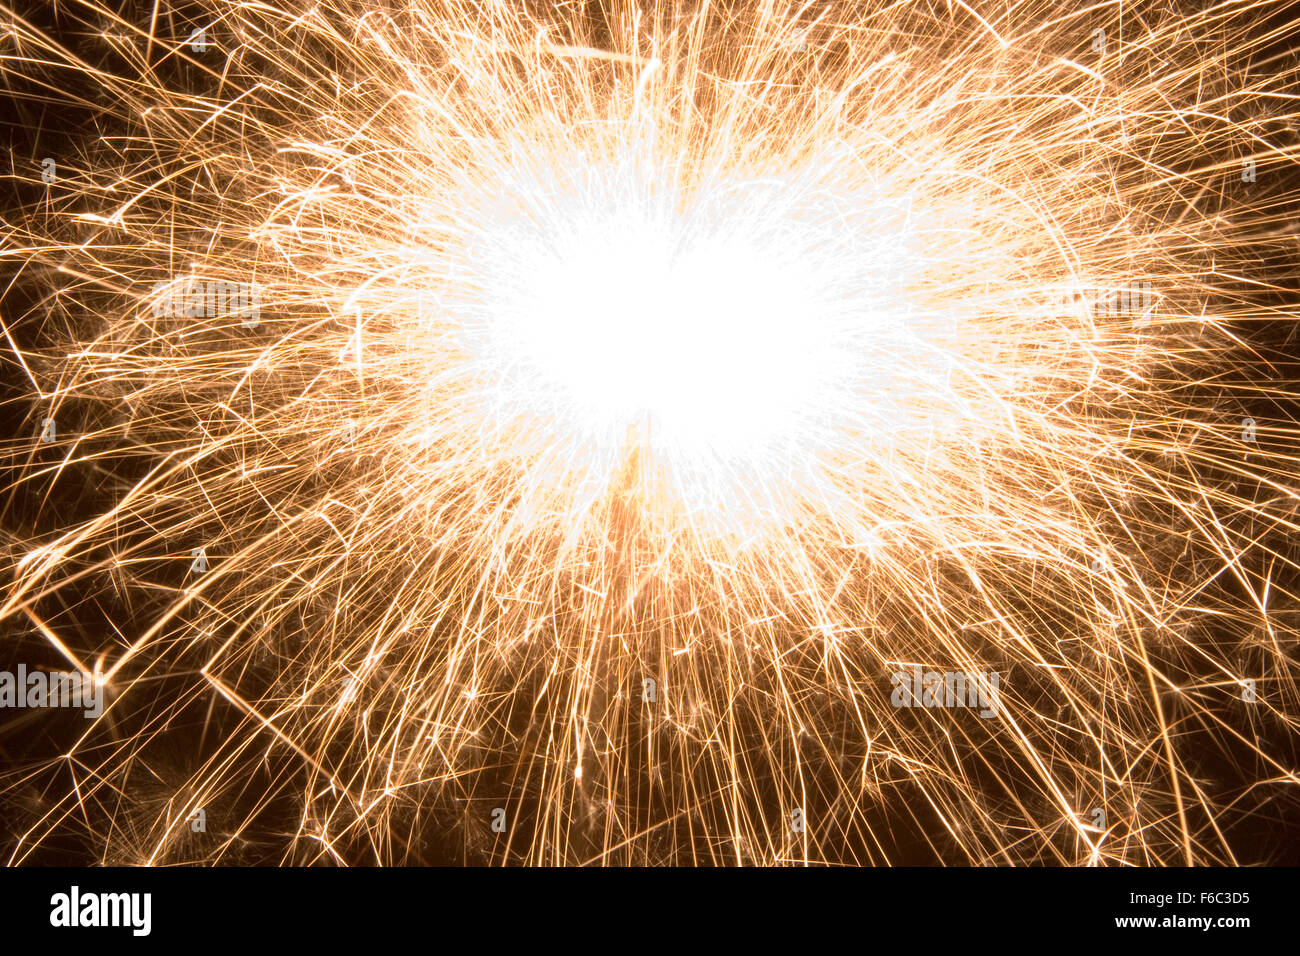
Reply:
x=543, y=433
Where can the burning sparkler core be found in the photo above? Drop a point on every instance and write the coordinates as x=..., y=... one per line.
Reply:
x=778, y=333
x=708, y=340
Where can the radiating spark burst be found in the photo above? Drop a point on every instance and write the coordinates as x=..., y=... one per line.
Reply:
x=760, y=351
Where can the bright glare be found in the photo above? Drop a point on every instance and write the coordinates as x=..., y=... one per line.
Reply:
x=706, y=338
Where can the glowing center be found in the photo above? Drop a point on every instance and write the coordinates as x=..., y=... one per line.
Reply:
x=708, y=340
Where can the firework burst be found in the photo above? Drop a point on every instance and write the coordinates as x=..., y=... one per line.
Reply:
x=504, y=433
